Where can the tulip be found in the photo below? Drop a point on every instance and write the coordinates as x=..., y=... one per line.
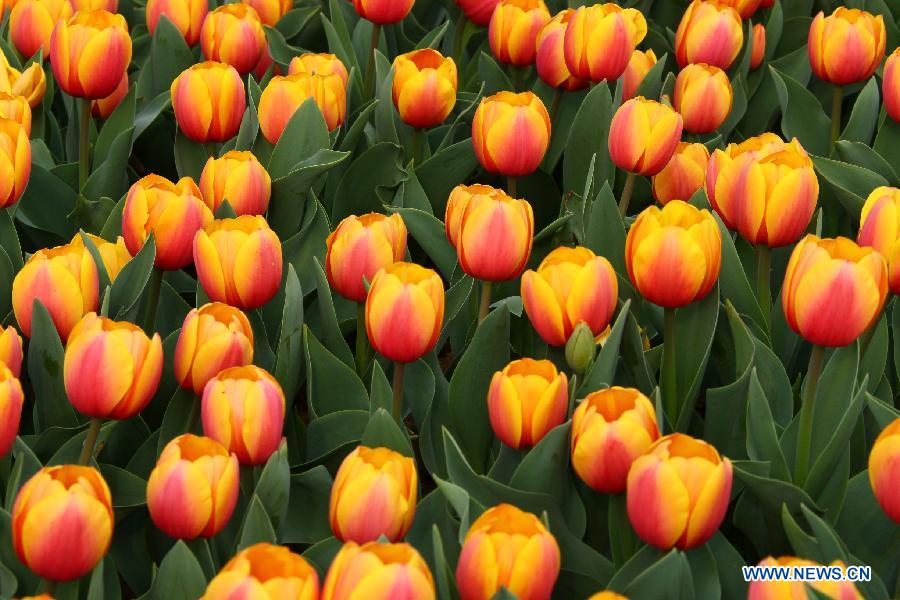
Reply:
x=233, y=34
x=478, y=11
x=241, y=179
x=709, y=33
x=456, y=206
x=186, y=15
x=265, y=572
x=789, y=590
x=65, y=281
x=600, y=40
x=514, y=29
x=884, y=470
x=194, y=487
x=111, y=368
x=683, y=175
x=607, y=595
x=404, y=311
x=80, y=43
x=238, y=261
x=638, y=67
x=107, y=5
x=758, y=52
x=526, y=400
x=424, y=87
x=114, y=255
x=745, y=8
x=703, y=97
x=62, y=522
x=173, y=212
x=213, y=338
x=31, y=24
x=361, y=246
x=11, y=399
x=15, y=161
x=570, y=286
x=318, y=64
x=846, y=46
x=16, y=108
x=880, y=229
x=378, y=572
x=104, y=107
x=383, y=12
x=284, y=95
x=507, y=547
x=643, y=136
x=270, y=11
x=11, y=350
x=678, y=492
x=261, y=69
x=31, y=83
x=209, y=102
x=550, y=58
x=674, y=254
x=891, y=86
x=511, y=133
x=611, y=428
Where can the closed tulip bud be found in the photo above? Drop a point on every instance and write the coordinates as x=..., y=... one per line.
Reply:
x=514, y=29
x=213, y=338
x=265, y=572
x=846, y=46
x=758, y=52
x=526, y=400
x=703, y=97
x=270, y=11
x=424, y=87
x=511, y=133
x=239, y=178
x=285, y=94
x=764, y=188
x=478, y=11
x=173, y=212
x=643, y=136
x=745, y=8
x=104, y=107
x=186, y=15
x=16, y=108
x=683, y=175
x=193, y=489
x=318, y=64
x=880, y=229
x=64, y=279
x=62, y=522
x=833, y=290
x=11, y=399
x=884, y=470
x=79, y=44
x=638, y=66
x=11, y=350
x=570, y=286
x=239, y=261
x=709, y=33
x=405, y=311
x=678, y=492
x=580, y=348
x=31, y=83
x=494, y=237
x=798, y=590
x=611, y=428
x=507, y=547
x=15, y=161
x=209, y=102
x=378, y=572
x=31, y=24
x=383, y=12
x=233, y=34
x=600, y=40
x=360, y=247
x=550, y=59
x=456, y=206
x=114, y=255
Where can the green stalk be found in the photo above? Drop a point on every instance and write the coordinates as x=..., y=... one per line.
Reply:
x=362, y=340
x=90, y=441
x=193, y=416
x=397, y=386
x=763, y=282
x=156, y=278
x=485, y=307
x=370, y=67
x=511, y=185
x=669, y=382
x=625, y=200
x=554, y=105
x=84, y=145
x=458, y=41
x=837, y=99
x=804, y=436
x=418, y=142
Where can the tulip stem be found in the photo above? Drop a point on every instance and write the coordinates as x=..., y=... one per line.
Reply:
x=84, y=148
x=397, y=386
x=763, y=282
x=49, y=587
x=90, y=441
x=153, y=300
x=370, y=67
x=837, y=100
x=362, y=340
x=669, y=378
x=554, y=105
x=458, y=39
x=193, y=416
x=485, y=307
x=627, y=190
x=418, y=139
x=804, y=435
x=511, y=185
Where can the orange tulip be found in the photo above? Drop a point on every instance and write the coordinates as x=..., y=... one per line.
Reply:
x=745, y=8
x=709, y=33
x=318, y=64
x=114, y=255
x=880, y=229
x=456, y=206
x=600, y=40
x=884, y=470
x=643, y=136
x=11, y=350
x=683, y=175
x=265, y=572
x=550, y=59
x=284, y=95
x=758, y=52
x=890, y=86
x=607, y=595
x=104, y=107
x=789, y=590
x=186, y=15
x=846, y=46
x=478, y=11
x=16, y=108
x=511, y=133
x=213, y=338
x=209, y=102
x=703, y=97
x=31, y=24
x=239, y=178
x=514, y=29
x=15, y=161
x=31, y=83
x=526, y=400
x=638, y=67
x=233, y=34
x=424, y=88
x=270, y=11
x=377, y=571
x=361, y=246
x=11, y=400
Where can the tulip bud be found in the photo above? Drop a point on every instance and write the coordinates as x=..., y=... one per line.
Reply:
x=709, y=33
x=213, y=338
x=424, y=87
x=378, y=572
x=643, y=136
x=789, y=590
x=111, y=368
x=265, y=572
x=270, y=11
x=31, y=24
x=884, y=470
x=193, y=489
x=456, y=206
x=833, y=290
x=507, y=547
x=846, y=46
x=550, y=59
x=186, y=15
x=745, y=8
x=405, y=311
x=674, y=255
x=570, y=286
x=478, y=11
x=511, y=133
x=16, y=108
x=880, y=229
x=114, y=255
x=11, y=350
x=11, y=400
x=31, y=83
x=526, y=400
x=890, y=86
x=104, y=107
x=64, y=279
x=638, y=67
x=758, y=52
x=209, y=102
x=284, y=95
x=233, y=34
x=580, y=348
x=383, y=12
x=600, y=40
x=76, y=46
x=683, y=175
x=611, y=428
x=238, y=261
x=318, y=64
x=678, y=492
x=62, y=522
x=239, y=178
x=173, y=212
x=703, y=97
x=361, y=246
x=514, y=28
x=15, y=161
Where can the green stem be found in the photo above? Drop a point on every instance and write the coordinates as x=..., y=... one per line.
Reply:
x=763, y=282
x=837, y=99
x=458, y=41
x=669, y=381
x=418, y=142
x=362, y=340
x=554, y=105
x=370, y=67
x=866, y=339
x=90, y=441
x=397, y=386
x=625, y=200
x=48, y=587
x=153, y=300
x=512, y=183
x=485, y=307
x=804, y=435
x=84, y=146
x=193, y=416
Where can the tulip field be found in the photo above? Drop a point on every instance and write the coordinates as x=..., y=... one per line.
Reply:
x=449, y=299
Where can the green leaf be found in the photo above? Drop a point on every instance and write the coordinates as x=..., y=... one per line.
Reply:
x=9, y=240
x=771, y=494
x=733, y=279
x=334, y=431
x=864, y=116
x=176, y=417
x=180, y=576
x=331, y=334
x=429, y=233
x=605, y=233
x=305, y=134
x=290, y=343
x=290, y=194
x=190, y=157
x=150, y=111
x=588, y=137
x=602, y=371
x=444, y=170
x=385, y=116
x=492, y=75
x=273, y=488
x=802, y=115
x=704, y=573
x=694, y=332
x=651, y=85
x=307, y=521
x=332, y=385
x=862, y=155
x=45, y=370
x=128, y=490
x=382, y=430
x=169, y=56
x=375, y=168
x=120, y=121
x=34, y=211
x=762, y=439
x=128, y=288
x=308, y=244
x=257, y=527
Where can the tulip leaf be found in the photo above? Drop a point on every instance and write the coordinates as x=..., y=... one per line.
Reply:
x=7, y=275
x=864, y=116
x=273, y=489
x=433, y=38
x=308, y=244
x=329, y=433
x=836, y=388
x=605, y=232
x=862, y=155
x=128, y=288
x=330, y=328
x=802, y=115
x=429, y=233
x=704, y=573
x=494, y=77
x=332, y=384
x=385, y=113
x=771, y=494
x=279, y=49
x=289, y=355
x=45, y=370
x=851, y=183
x=120, y=121
x=651, y=84
x=377, y=167
x=128, y=490
x=695, y=329
x=169, y=56
x=307, y=520
x=588, y=137
x=887, y=143
x=444, y=170
x=305, y=134
x=180, y=576
x=762, y=439
x=34, y=211
x=91, y=247
x=190, y=156
x=256, y=527
x=382, y=431
x=10, y=561
x=602, y=371
x=150, y=111
x=175, y=419
x=733, y=278
x=290, y=194
x=321, y=554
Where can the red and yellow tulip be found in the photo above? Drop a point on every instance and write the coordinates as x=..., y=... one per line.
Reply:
x=270, y=11
x=285, y=94
x=846, y=46
x=103, y=107
x=456, y=206
x=318, y=64
x=607, y=595
x=550, y=60
x=15, y=161
x=186, y=15
x=526, y=400
x=511, y=133
x=209, y=102
x=710, y=33
x=31, y=24
x=638, y=66
x=378, y=572
x=108, y=5
x=745, y=8
x=11, y=349
x=758, y=52
x=84, y=41
x=361, y=246
x=424, y=88
x=884, y=470
x=31, y=83
x=600, y=40
x=890, y=85
x=880, y=229
x=798, y=590
x=16, y=108
x=643, y=136
x=265, y=572
x=114, y=255
x=514, y=29
x=683, y=175
x=213, y=338
x=233, y=34
x=238, y=177
x=11, y=400
x=478, y=11
x=383, y=12
x=703, y=97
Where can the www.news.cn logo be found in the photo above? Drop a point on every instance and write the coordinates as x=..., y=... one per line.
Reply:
x=807, y=573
